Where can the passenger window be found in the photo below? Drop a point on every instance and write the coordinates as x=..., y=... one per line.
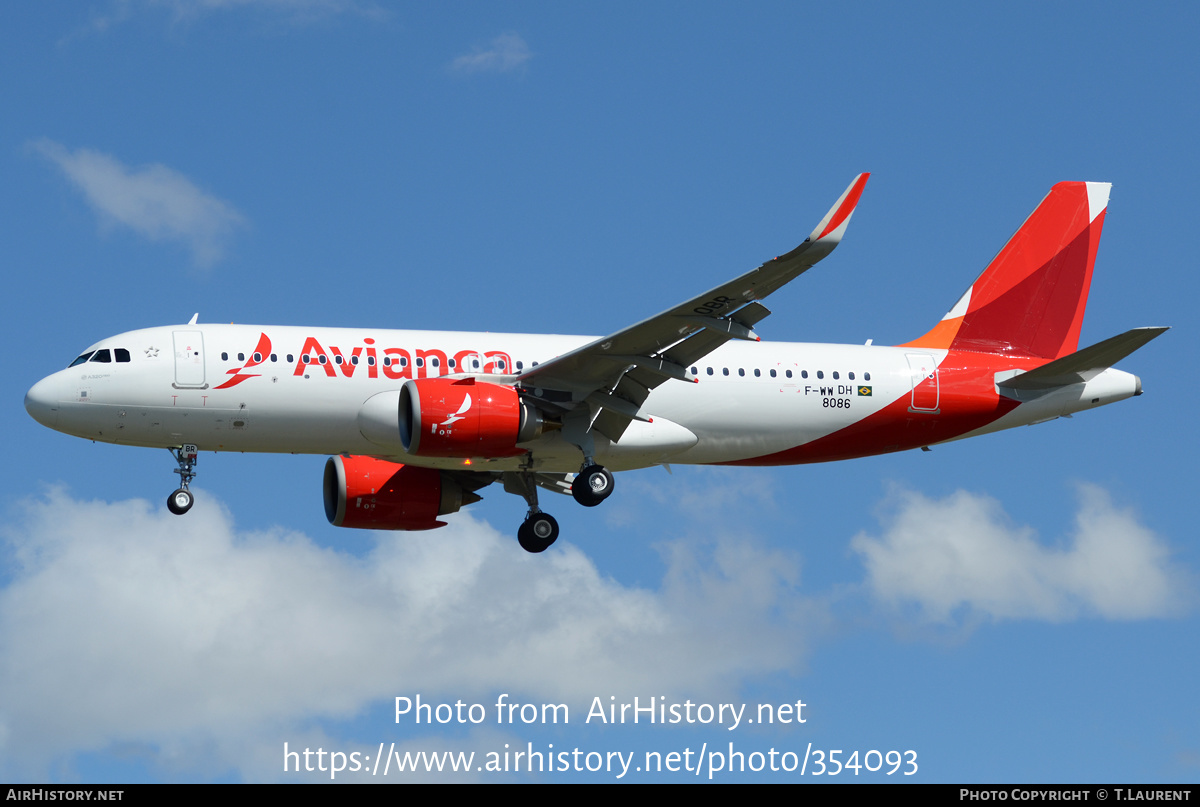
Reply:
x=322, y=358
x=804, y=373
x=500, y=364
x=695, y=371
x=710, y=371
x=257, y=358
x=274, y=357
x=820, y=373
x=433, y=362
x=741, y=372
x=121, y=353
x=520, y=365
x=370, y=361
x=757, y=372
x=851, y=376
x=102, y=356
x=724, y=371
x=420, y=362
x=241, y=357
x=772, y=373
x=224, y=357
x=337, y=359
x=788, y=373
x=866, y=376
x=289, y=358
x=835, y=375
x=81, y=359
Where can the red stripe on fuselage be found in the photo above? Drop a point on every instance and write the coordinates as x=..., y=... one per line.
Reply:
x=967, y=401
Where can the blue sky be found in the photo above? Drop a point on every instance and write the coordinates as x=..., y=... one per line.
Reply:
x=1019, y=607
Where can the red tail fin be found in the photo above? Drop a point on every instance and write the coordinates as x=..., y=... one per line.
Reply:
x=1031, y=298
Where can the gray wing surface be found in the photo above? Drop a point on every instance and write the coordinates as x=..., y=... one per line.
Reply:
x=614, y=375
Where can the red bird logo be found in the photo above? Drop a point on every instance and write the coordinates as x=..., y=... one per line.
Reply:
x=261, y=351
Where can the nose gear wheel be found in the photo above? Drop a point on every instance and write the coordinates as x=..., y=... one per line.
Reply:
x=180, y=501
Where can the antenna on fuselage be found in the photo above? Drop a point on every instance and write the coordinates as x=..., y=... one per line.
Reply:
x=195, y=316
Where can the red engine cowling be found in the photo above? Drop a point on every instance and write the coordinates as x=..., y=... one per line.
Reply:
x=367, y=493
x=442, y=417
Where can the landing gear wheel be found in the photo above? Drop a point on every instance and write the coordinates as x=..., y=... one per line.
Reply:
x=180, y=501
x=538, y=532
x=593, y=485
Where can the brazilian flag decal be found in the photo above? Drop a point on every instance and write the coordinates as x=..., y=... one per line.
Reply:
x=864, y=392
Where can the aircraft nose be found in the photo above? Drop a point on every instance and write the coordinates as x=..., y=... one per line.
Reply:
x=41, y=402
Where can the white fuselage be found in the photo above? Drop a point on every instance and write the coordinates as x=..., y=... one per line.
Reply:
x=307, y=391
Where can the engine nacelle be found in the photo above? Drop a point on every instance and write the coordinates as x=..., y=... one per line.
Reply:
x=442, y=417
x=366, y=493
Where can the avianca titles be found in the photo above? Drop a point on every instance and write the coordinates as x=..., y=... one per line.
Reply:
x=417, y=422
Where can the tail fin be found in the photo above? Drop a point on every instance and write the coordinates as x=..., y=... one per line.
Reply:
x=1031, y=298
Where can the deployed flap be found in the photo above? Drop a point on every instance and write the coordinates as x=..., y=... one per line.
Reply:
x=624, y=363
x=514, y=482
x=1084, y=364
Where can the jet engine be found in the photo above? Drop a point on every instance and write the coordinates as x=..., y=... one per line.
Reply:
x=367, y=493
x=442, y=417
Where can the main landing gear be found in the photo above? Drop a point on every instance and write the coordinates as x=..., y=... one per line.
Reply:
x=182, y=499
x=537, y=532
x=592, y=485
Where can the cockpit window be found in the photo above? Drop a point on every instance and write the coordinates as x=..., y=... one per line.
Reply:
x=121, y=354
x=81, y=359
x=102, y=356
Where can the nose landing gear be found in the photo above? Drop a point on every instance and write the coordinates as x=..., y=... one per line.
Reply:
x=182, y=499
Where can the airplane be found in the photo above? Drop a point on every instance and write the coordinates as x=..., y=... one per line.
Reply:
x=417, y=422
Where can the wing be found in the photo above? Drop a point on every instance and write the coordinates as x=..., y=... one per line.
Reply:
x=614, y=375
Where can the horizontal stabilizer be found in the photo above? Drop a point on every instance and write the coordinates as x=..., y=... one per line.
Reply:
x=1082, y=365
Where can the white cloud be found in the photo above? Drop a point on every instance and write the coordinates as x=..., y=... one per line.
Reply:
x=297, y=11
x=153, y=200
x=961, y=555
x=506, y=52
x=200, y=648
x=691, y=491
x=124, y=625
